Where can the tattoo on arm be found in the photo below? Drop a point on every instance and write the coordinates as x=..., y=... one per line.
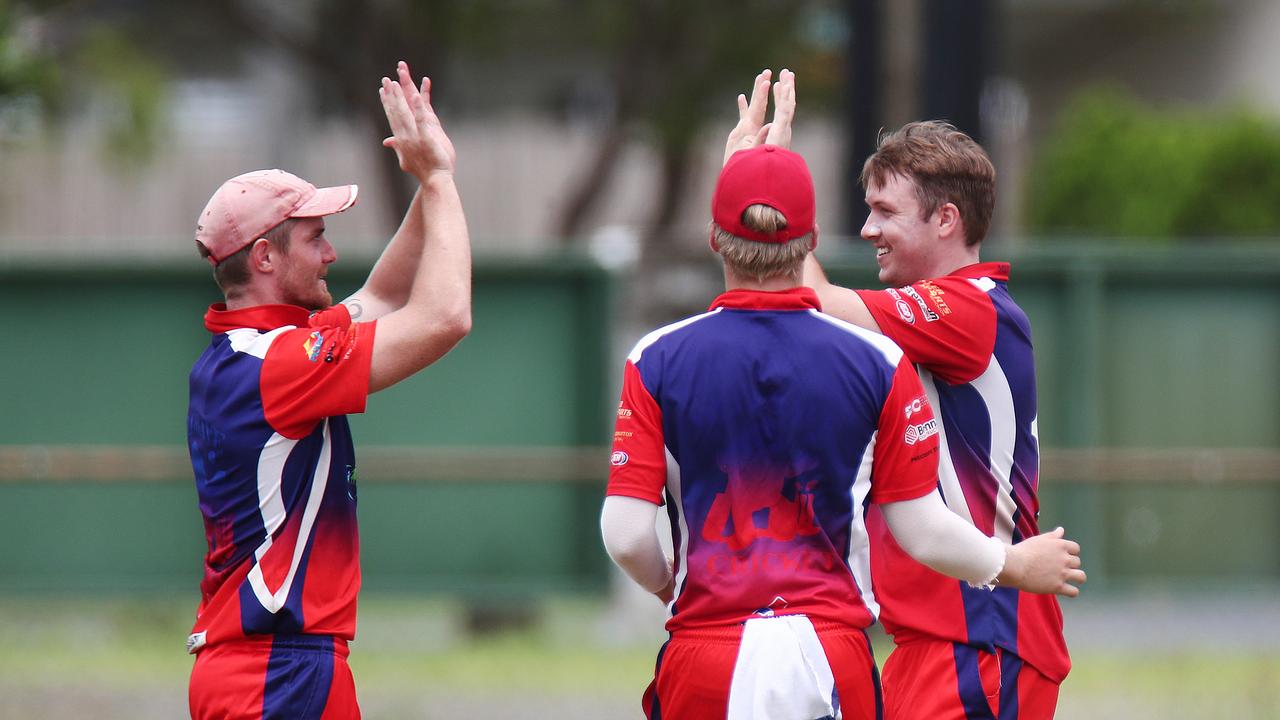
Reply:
x=354, y=308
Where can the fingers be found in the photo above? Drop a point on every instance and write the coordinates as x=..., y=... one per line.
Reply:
x=1069, y=591
x=396, y=108
x=759, y=98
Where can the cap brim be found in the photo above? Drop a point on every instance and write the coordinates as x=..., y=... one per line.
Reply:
x=328, y=201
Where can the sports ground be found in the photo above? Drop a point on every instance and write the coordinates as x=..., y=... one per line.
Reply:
x=1150, y=655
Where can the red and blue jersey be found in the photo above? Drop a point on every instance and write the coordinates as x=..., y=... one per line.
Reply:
x=971, y=344
x=275, y=470
x=768, y=427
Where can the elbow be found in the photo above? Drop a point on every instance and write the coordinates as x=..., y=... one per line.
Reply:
x=456, y=325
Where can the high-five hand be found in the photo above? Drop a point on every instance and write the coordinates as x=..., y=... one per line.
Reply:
x=417, y=136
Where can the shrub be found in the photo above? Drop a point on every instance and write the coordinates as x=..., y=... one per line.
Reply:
x=1115, y=167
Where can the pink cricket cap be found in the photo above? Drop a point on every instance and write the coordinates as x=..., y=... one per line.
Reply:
x=248, y=205
x=765, y=175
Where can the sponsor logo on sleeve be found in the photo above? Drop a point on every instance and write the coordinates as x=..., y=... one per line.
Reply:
x=935, y=294
x=929, y=314
x=619, y=458
x=904, y=310
x=623, y=413
x=313, y=346
x=916, y=406
x=921, y=432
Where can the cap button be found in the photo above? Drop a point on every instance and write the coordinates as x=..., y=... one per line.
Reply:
x=770, y=148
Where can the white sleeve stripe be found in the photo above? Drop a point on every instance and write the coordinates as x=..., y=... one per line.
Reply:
x=888, y=348
x=656, y=335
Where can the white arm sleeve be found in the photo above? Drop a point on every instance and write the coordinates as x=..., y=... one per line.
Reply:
x=940, y=539
x=631, y=539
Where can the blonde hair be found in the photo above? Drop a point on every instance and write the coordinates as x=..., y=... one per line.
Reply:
x=760, y=261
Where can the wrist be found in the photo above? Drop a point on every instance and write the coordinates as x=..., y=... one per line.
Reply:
x=435, y=178
x=1012, y=571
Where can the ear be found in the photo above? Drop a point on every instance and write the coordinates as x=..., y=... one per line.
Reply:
x=815, y=237
x=949, y=221
x=711, y=239
x=261, y=258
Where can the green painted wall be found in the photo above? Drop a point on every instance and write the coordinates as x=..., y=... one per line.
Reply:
x=1137, y=348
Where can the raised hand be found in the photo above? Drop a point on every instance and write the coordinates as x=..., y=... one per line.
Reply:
x=417, y=136
x=751, y=128
x=1047, y=563
x=784, y=110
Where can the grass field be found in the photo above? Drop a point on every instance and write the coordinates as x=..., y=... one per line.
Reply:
x=124, y=658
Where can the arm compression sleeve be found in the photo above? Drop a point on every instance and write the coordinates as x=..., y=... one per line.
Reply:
x=933, y=535
x=631, y=539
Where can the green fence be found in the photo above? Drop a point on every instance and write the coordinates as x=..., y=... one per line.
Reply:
x=476, y=474
x=1159, y=381
x=1158, y=371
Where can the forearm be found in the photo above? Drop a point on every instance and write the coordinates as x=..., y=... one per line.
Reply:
x=934, y=536
x=391, y=279
x=441, y=284
x=837, y=301
x=631, y=539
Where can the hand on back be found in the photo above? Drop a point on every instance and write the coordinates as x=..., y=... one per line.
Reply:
x=1047, y=563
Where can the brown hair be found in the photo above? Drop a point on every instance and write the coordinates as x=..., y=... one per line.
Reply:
x=946, y=166
x=762, y=260
x=233, y=271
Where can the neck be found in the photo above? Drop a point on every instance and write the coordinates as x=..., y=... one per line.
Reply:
x=963, y=257
x=733, y=281
x=252, y=294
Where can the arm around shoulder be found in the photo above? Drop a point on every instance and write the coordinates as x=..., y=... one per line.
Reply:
x=839, y=302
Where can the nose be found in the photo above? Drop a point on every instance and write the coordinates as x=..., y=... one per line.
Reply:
x=330, y=254
x=870, y=229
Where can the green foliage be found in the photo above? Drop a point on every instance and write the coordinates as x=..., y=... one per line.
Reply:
x=137, y=88
x=1117, y=168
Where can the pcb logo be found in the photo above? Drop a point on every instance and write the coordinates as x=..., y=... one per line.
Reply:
x=618, y=458
x=921, y=432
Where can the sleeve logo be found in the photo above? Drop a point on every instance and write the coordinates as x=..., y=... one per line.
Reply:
x=904, y=310
x=619, y=458
x=313, y=346
x=929, y=314
x=916, y=406
x=921, y=432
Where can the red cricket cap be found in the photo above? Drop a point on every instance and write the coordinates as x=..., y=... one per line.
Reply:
x=248, y=205
x=765, y=175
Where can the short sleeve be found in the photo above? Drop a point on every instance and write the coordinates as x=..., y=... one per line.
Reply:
x=638, y=464
x=946, y=325
x=905, y=460
x=316, y=372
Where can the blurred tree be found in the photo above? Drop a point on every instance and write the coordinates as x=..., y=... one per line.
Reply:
x=1114, y=167
x=25, y=73
x=659, y=69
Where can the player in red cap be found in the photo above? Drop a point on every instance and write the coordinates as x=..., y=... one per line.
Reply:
x=769, y=429
x=270, y=445
x=960, y=652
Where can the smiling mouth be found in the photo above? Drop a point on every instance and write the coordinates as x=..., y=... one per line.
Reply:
x=881, y=252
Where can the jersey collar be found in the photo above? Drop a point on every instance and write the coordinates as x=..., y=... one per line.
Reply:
x=798, y=298
x=259, y=317
x=998, y=271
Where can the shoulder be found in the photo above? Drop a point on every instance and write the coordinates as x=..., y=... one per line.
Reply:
x=665, y=332
x=880, y=344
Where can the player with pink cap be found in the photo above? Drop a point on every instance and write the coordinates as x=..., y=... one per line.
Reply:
x=270, y=445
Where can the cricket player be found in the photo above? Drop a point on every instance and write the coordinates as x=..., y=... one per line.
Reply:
x=768, y=429
x=960, y=652
x=272, y=452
